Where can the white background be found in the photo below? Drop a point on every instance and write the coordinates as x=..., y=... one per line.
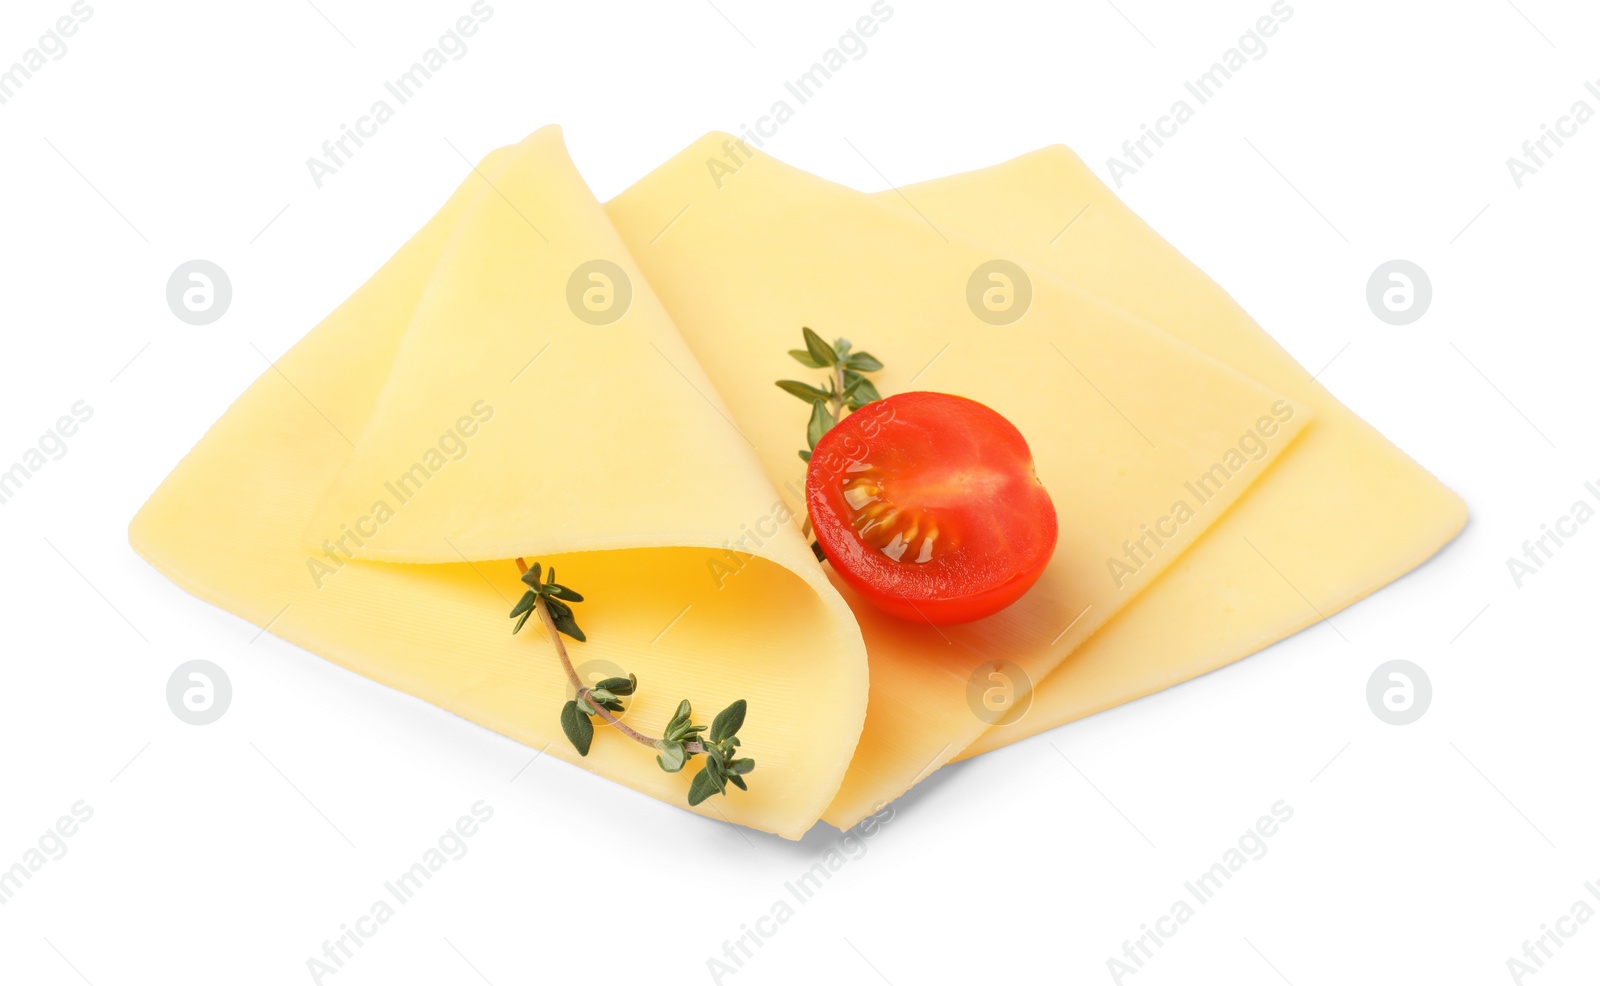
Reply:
x=1369, y=131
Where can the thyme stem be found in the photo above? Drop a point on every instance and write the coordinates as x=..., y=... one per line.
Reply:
x=582, y=689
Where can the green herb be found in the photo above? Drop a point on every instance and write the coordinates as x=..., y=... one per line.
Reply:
x=682, y=742
x=846, y=387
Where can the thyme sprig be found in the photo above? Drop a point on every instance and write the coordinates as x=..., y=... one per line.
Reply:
x=847, y=385
x=683, y=741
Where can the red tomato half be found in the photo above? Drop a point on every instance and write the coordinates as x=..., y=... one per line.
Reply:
x=929, y=506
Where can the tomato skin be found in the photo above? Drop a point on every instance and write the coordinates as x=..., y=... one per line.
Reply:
x=928, y=505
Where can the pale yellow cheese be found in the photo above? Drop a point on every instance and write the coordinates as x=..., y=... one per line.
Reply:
x=1342, y=513
x=609, y=456
x=1122, y=419
x=630, y=459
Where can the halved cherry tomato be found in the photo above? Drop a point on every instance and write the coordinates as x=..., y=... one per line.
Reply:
x=928, y=505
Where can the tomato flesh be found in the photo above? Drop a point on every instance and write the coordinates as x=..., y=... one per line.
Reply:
x=929, y=506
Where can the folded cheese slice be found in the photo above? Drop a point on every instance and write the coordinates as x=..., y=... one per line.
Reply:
x=1342, y=513
x=476, y=401
x=1132, y=431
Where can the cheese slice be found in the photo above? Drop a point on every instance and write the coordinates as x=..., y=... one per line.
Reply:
x=366, y=497
x=1342, y=513
x=533, y=376
x=1124, y=421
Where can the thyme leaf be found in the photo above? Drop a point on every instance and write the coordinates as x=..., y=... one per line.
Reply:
x=682, y=739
